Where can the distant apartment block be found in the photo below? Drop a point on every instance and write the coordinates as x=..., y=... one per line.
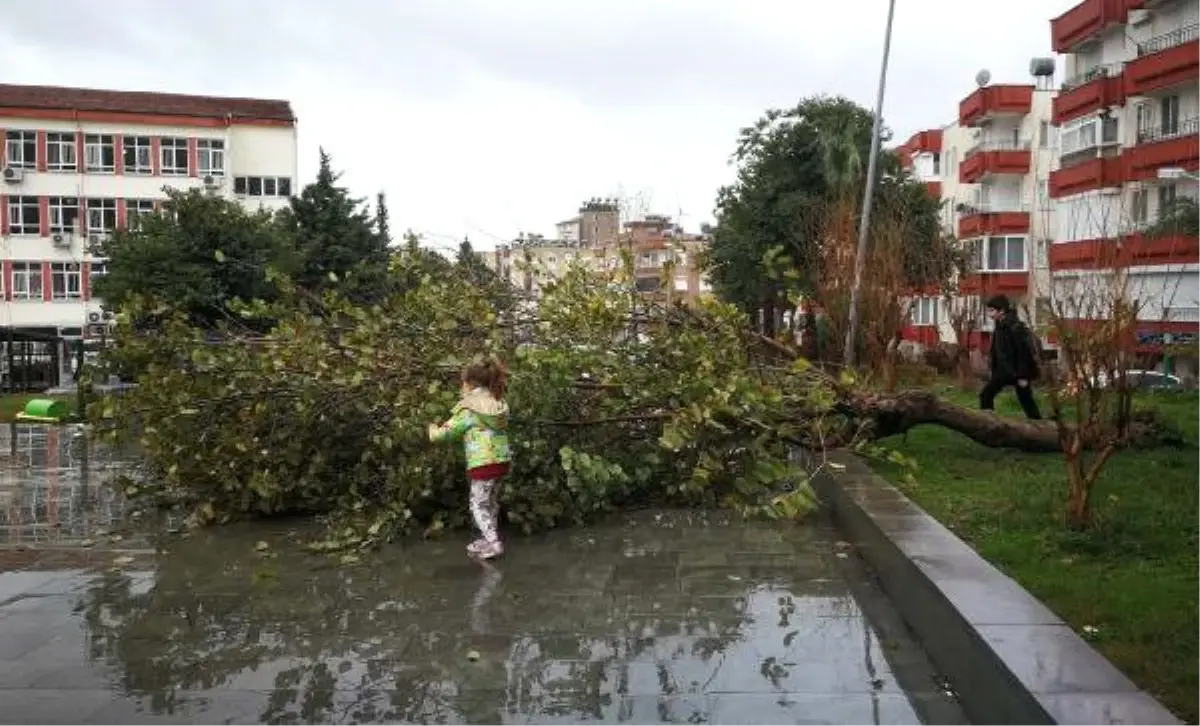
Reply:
x=665, y=257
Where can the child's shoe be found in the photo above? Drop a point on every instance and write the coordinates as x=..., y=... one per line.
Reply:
x=490, y=550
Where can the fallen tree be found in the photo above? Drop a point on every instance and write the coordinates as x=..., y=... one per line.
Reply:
x=618, y=400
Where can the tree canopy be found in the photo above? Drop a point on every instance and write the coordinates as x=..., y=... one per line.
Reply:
x=794, y=168
x=323, y=239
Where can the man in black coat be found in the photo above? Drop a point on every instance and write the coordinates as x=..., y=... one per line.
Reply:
x=1013, y=361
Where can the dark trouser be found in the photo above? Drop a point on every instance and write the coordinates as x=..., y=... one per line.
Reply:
x=987, y=396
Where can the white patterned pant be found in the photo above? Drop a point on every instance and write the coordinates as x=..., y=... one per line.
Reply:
x=485, y=506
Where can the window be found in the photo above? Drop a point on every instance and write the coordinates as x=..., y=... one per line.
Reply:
x=102, y=215
x=1169, y=116
x=27, y=280
x=1044, y=135
x=99, y=153
x=24, y=215
x=259, y=186
x=64, y=213
x=1079, y=135
x=97, y=269
x=1166, y=198
x=135, y=208
x=137, y=155
x=210, y=157
x=924, y=311
x=60, y=152
x=21, y=149
x=173, y=156
x=937, y=163
x=1144, y=120
x=1139, y=207
x=1005, y=254
x=66, y=281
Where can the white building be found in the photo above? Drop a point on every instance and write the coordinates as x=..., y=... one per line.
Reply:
x=1129, y=119
x=990, y=169
x=78, y=164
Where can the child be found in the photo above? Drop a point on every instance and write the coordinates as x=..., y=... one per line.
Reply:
x=480, y=418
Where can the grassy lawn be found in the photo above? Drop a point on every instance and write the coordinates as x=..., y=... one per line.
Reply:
x=1133, y=578
x=13, y=403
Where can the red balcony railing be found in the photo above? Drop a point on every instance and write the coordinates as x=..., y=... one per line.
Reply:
x=1165, y=61
x=1159, y=147
x=1090, y=91
x=983, y=221
x=1095, y=174
x=994, y=283
x=1126, y=251
x=1087, y=20
x=995, y=157
x=995, y=101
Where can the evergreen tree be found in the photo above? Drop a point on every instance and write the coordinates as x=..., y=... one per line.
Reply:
x=336, y=233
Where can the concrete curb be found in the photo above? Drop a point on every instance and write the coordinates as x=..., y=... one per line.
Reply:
x=1010, y=658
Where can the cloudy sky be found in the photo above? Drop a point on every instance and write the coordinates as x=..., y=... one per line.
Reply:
x=488, y=117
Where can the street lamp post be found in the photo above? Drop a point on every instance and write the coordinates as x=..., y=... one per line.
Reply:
x=860, y=258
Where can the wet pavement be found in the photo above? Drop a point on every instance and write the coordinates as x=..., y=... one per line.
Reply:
x=652, y=617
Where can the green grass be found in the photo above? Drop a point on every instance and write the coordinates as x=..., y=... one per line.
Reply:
x=13, y=403
x=1133, y=577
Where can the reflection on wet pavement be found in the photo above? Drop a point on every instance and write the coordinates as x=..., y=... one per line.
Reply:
x=648, y=618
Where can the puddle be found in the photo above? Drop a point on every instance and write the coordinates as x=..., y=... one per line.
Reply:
x=657, y=617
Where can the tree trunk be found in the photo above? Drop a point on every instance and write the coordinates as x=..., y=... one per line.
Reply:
x=1079, y=515
x=896, y=414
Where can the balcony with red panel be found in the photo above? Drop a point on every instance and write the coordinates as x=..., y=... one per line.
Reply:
x=1086, y=21
x=1165, y=61
x=1127, y=251
x=1095, y=89
x=994, y=283
x=1100, y=173
x=1159, y=146
x=934, y=188
x=992, y=101
x=994, y=157
x=985, y=220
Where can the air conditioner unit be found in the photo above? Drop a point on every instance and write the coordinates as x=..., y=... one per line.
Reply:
x=61, y=240
x=93, y=317
x=13, y=176
x=110, y=315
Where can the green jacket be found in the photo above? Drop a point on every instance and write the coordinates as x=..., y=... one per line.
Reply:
x=481, y=422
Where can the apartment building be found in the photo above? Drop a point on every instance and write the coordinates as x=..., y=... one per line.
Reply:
x=78, y=164
x=660, y=249
x=1128, y=120
x=990, y=168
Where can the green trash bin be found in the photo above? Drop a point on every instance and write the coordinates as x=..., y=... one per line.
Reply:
x=45, y=408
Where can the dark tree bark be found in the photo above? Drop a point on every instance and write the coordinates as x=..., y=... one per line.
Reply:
x=892, y=414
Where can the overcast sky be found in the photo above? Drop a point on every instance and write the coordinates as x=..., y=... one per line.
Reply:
x=489, y=117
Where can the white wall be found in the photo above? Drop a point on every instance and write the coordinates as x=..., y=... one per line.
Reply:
x=250, y=151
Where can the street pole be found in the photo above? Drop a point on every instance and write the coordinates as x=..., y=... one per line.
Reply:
x=860, y=258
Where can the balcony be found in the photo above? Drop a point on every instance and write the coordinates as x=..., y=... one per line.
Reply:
x=1127, y=251
x=984, y=220
x=1163, y=145
x=994, y=283
x=925, y=142
x=1097, y=173
x=1096, y=88
x=1165, y=61
x=994, y=157
x=1086, y=21
x=934, y=188
x=992, y=101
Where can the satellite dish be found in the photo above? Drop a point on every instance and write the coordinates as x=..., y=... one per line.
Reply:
x=983, y=77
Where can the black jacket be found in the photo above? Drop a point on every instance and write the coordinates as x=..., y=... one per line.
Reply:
x=1012, y=355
